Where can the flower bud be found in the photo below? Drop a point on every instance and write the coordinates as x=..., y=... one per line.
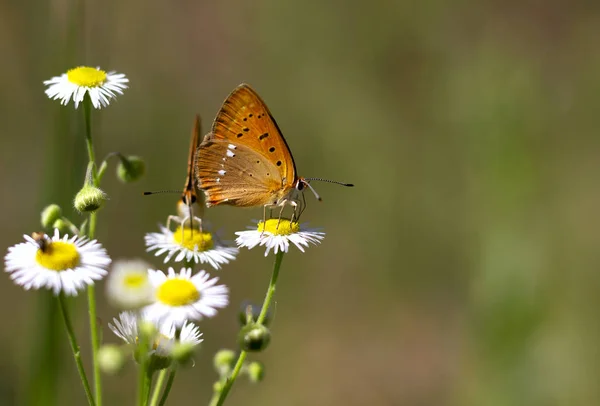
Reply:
x=50, y=214
x=111, y=358
x=223, y=361
x=183, y=352
x=130, y=169
x=254, y=337
x=255, y=371
x=62, y=226
x=89, y=199
x=249, y=313
x=218, y=387
x=148, y=330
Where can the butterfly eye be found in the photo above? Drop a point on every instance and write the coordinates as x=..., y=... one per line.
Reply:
x=300, y=185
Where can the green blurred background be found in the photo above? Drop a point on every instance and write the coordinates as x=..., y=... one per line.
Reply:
x=461, y=270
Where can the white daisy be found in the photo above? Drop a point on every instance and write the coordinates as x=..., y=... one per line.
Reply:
x=126, y=327
x=61, y=264
x=277, y=235
x=180, y=297
x=128, y=286
x=190, y=244
x=100, y=85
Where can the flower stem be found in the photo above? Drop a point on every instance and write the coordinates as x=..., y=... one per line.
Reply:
x=271, y=289
x=95, y=338
x=160, y=381
x=91, y=292
x=87, y=113
x=165, y=394
x=261, y=318
x=75, y=348
x=144, y=363
x=230, y=380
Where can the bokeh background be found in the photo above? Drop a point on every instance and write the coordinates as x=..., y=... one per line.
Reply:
x=463, y=268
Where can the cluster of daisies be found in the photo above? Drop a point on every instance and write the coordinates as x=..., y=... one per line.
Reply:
x=173, y=301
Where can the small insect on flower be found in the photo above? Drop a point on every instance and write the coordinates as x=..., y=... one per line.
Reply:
x=181, y=296
x=127, y=328
x=190, y=244
x=61, y=264
x=277, y=234
x=101, y=86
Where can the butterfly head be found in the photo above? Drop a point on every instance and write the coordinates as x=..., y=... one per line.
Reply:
x=303, y=183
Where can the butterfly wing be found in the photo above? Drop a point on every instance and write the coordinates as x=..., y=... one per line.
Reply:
x=191, y=195
x=236, y=175
x=245, y=123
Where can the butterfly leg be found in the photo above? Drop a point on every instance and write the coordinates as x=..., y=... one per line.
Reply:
x=193, y=220
x=175, y=219
x=280, y=213
x=183, y=221
x=265, y=218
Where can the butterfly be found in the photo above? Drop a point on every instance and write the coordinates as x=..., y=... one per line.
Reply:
x=191, y=197
x=245, y=161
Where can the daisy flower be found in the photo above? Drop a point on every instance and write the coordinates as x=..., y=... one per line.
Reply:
x=277, y=234
x=190, y=244
x=180, y=297
x=128, y=286
x=126, y=328
x=61, y=264
x=101, y=86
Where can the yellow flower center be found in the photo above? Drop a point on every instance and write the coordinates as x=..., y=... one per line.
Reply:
x=191, y=238
x=177, y=292
x=135, y=280
x=86, y=76
x=58, y=256
x=279, y=227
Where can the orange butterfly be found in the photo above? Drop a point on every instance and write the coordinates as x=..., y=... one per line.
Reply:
x=245, y=160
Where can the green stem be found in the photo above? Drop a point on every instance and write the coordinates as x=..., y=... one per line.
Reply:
x=75, y=348
x=165, y=394
x=160, y=381
x=95, y=338
x=261, y=318
x=87, y=112
x=91, y=292
x=147, y=386
x=271, y=289
x=144, y=363
x=215, y=398
x=229, y=382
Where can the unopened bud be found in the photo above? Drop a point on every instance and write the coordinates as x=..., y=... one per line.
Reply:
x=50, y=214
x=89, y=199
x=218, y=387
x=256, y=371
x=147, y=330
x=254, y=337
x=183, y=352
x=249, y=314
x=111, y=358
x=223, y=361
x=130, y=169
x=62, y=226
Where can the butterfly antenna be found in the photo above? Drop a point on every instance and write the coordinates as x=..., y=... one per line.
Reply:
x=155, y=192
x=331, y=181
